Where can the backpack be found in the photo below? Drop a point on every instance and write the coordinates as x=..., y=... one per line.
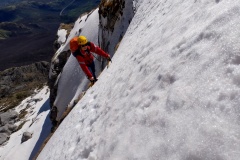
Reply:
x=74, y=44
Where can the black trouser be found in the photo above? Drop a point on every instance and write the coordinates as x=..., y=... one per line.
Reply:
x=91, y=67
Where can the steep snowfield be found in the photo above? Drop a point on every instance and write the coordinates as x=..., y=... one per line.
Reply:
x=37, y=119
x=171, y=93
x=36, y=122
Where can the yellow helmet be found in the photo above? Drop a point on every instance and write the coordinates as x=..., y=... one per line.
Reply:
x=82, y=40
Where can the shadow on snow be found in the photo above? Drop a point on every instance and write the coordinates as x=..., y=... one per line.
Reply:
x=45, y=131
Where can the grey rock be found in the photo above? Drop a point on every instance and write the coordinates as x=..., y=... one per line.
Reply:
x=8, y=117
x=26, y=136
x=35, y=100
x=3, y=138
x=12, y=127
x=14, y=79
x=4, y=129
x=55, y=71
x=7, y=120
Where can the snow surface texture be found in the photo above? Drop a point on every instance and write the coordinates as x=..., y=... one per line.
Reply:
x=37, y=123
x=171, y=93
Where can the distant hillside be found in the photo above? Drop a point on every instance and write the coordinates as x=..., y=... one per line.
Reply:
x=7, y=2
x=37, y=11
x=28, y=28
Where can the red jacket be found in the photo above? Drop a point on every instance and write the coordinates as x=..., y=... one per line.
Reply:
x=85, y=58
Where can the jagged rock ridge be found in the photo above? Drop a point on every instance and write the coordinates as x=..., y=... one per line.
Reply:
x=18, y=82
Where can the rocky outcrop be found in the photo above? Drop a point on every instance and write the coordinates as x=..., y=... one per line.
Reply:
x=58, y=64
x=3, y=138
x=56, y=68
x=7, y=126
x=112, y=11
x=115, y=17
x=68, y=28
x=15, y=85
x=14, y=78
x=8, y=117
x=26, y=136
x=17, y=82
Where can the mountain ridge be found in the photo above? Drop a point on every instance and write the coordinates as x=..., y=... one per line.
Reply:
x=17, y=83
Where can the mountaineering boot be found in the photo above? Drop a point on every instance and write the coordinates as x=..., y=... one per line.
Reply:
x=92, y=82
x=54, y=125
x=108, y=61
x=53, y=113
x=53, y=116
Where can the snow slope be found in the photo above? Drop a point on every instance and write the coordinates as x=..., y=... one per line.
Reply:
x=86, y=25
x=37, y=120
x=37, y=123
x=171, y=93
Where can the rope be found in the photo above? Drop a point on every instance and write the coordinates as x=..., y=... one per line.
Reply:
x=96, y=58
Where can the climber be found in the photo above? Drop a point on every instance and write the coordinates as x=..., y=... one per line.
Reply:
x=81, y=49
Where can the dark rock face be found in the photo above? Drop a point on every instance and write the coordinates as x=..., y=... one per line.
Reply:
x=55, y=71
x=57, y=65
x=112, y=10
x=111, y=13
